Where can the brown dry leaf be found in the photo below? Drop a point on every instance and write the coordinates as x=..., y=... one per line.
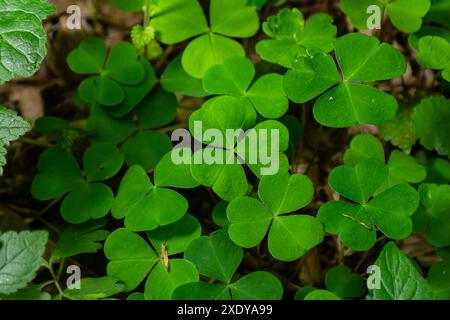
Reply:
x=29, y=98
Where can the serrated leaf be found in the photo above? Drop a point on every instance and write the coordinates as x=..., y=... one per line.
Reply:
x=12, y=126
x=20, y=258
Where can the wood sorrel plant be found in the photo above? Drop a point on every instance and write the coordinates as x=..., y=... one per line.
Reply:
x=209, y=158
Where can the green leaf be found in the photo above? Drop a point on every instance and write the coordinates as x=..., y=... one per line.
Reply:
x=400, y=279
x=362, y=59
x=291, y=36
x=89, y=201
x=175, y=79
x=82, y=238
x=161, y=283
x=32, y=292
x=344, y=283
x=177, y=236
x=435, y=201
x=178, y=20
x=144, y=206
x=201, y=291
x=439, y=279
x=257, y=286
x=390, y=211
x=430, y=120
x=95, y=288
x=158, y=109
x=169, y=174
x=219, y=214
x=12, y=126
x=146, y=148
x=102, y=161
x=405, y=15
x=363, y=147
x=321, y=295
x=23, y=39
x=108, y=129
x=20, y=258
x=208, y=50
x=129, y=5
x=400, y=130
x=2, y=158
x=434, y=53
x=131, y=258
x=59, y=174
x=215, y=256
x=289, y=237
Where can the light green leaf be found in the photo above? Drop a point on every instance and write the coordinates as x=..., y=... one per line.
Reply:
x=215, y=256
x=363, y=147
x=169, y=174
x=321, y=295
x=12, y=126
x=201, y=291
x=257, y=286
x=95, y=289
x=400, y=279
x=434, y=53
x=20, y=258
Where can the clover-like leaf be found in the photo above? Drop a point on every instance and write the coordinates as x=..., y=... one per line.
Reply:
x=146, y=206
x=291, y=36
x=321, y=295
x=32, y=292
x=289, y=236
x=402, y=167
x=171, y=174
x=82, y=238
x=434, y=53
x=178, y=20
x=95, y=289
x=22, y=39
x=350, y=101
x=430, y=119
x=234, y=77
x=20, y=258
x=121, y=67
x=257, y=285
x=390, y=211
x=400, y=130
x=157, y=110
x=59, y=174
x=400, y=279
x=406, y=15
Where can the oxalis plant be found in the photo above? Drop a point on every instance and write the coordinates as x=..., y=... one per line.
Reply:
x=142, y=181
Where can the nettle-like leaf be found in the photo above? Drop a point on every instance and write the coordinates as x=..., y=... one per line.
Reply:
x=289, y=236
x=88, y=198
x=400, y=278
x=217, y=257
x=82, y=238
x=12, y=127
x=434, y=53
x=179, y=20
x=439, y=279
x=20, y=258
x=147, y=206
x=132, y=259
x=434, y=213
x=22, y=37
x=291, y=36
x=95, y=289
x=430, y=120
x=120, y=80
x=402, y=167
x=356, y=222
x=235, y=75
x=32, y=292
x=227, y=176
x=347, y=100
x=405, y=15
